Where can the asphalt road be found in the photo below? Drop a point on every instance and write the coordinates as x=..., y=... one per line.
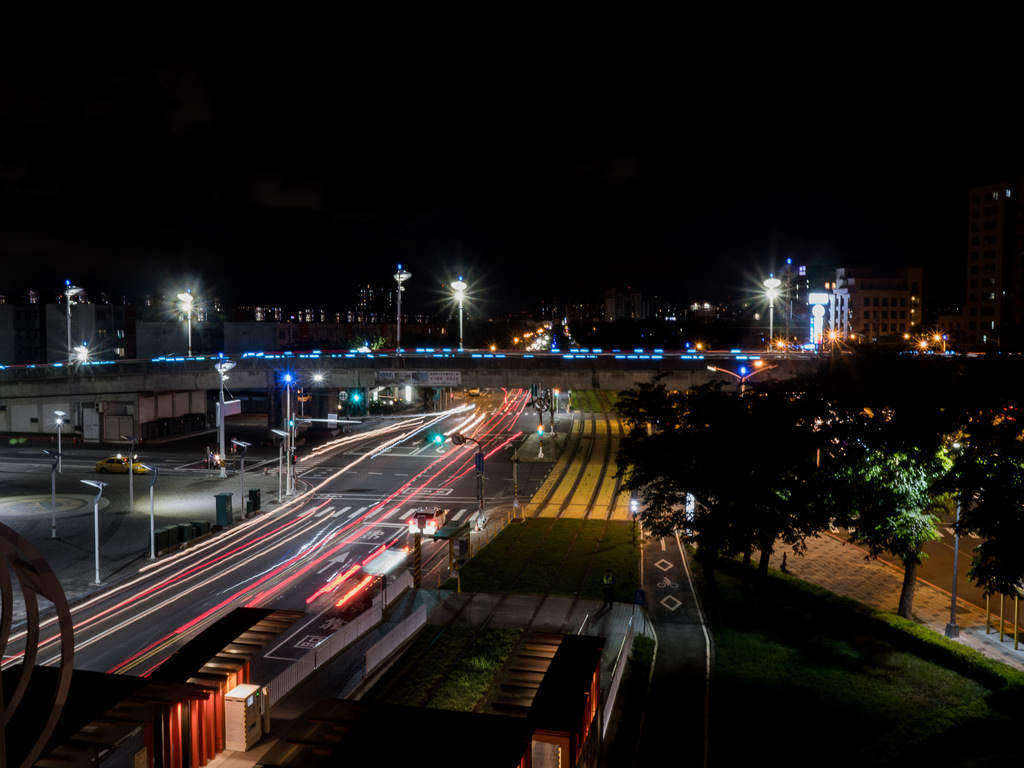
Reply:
x=352, y=503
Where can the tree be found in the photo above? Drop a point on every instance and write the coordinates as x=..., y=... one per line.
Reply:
x=882, y=423
x=883, y=500
x=988, y=477
x=743, y=460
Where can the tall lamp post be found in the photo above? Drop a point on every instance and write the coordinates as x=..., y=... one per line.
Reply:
x=953, y=629
x=186, y=299
x=772, y=290
x=459, y=286
x=152, y=513
x=69, y=291
x=289, y=424
x=743, y=376
x=53, y=492
x=131, y=473
x=244, y=446
x=222, y=368
x=460, y=439
x=96, y=521
x=280, y=452
x=60, y=428
x=400, y=277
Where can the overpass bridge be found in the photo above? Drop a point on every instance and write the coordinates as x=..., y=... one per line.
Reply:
x=170, y=396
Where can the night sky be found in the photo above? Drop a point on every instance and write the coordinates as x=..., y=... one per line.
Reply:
x=290, y=179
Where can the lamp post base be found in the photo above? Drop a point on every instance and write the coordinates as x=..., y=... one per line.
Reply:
x=952, y=631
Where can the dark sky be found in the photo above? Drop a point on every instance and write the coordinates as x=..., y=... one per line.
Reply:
x=290, y=178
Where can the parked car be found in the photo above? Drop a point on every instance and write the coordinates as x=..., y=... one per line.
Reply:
x=119, y=465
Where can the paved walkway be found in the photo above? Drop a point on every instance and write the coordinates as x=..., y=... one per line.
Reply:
x=840, y=567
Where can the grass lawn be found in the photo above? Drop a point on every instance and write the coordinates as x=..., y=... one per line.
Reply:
x=818, y=679
x=559, y=557
x=446, y=668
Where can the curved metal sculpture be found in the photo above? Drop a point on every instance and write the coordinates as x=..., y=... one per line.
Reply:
x=35, y=578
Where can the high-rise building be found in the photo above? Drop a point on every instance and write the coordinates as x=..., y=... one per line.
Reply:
x=995, y=272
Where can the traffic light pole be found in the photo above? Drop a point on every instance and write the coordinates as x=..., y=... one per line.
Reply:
x=460, y=439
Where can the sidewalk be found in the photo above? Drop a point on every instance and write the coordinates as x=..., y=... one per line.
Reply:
x=841, y=567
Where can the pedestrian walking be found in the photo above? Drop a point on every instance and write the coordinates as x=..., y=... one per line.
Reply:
x=608, y=588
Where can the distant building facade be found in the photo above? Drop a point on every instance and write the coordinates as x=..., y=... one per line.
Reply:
x=995, y=264
x=871, y=304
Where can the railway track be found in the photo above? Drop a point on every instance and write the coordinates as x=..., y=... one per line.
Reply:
x=585, y=468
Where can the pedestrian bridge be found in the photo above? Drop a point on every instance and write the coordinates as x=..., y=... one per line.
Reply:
x=172, y=395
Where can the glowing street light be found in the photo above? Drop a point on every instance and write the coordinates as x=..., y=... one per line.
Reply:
x=459, y=286
x=771, y=291
x=186, y=299
x=743, y=375
x=96, y=521
x=289, y=423
x=69, y=291
x=400, y=277
x=60, y=428
x=222, y=368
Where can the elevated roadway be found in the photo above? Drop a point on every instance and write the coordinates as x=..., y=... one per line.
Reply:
x=178, y=395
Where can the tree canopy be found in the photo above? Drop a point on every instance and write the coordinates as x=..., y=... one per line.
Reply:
x=862, y=445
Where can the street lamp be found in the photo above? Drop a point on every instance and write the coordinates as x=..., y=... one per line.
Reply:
x=280, y=452
x=186, y=299
x=69, y=291
x=244, y=446
x=772, y=290
x=60, y=428
x=82, y=352
x=96, y=521
x=222, y=368
x=952, y=629
x=400, y=277
x=131, y=473
x=152, y=513
x=460, y=439
x=459, y=287
x=759, y=367
x=53, y=492
x=290, y=426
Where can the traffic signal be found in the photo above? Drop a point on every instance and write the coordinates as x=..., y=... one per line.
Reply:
x=435, y=438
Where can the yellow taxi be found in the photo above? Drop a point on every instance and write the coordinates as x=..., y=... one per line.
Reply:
x=119, y=465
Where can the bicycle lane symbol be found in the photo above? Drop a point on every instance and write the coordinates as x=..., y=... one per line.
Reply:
x=669, y=601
